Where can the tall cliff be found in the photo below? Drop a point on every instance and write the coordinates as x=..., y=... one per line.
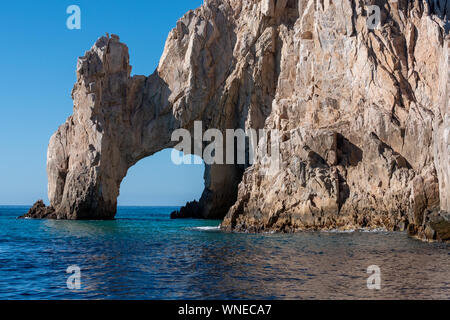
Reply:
x=363, y=114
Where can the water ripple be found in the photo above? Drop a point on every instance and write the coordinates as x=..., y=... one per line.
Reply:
x=145, y=255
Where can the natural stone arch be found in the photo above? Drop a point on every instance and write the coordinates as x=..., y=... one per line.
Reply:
x=314, y=70
x=119, y=119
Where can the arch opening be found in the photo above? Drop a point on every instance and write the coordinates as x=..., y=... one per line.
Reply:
x=200, y=190
x=157, y=181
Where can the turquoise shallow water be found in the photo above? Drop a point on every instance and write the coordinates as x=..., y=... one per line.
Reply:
x=145, y=255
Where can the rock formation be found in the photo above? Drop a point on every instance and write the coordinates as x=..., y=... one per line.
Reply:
x=363, y=114
x=40, y=210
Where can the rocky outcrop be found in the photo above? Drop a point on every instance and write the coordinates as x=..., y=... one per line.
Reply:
x=356, y=107
x=363, y=115
x=119, y=119
x=41, y=211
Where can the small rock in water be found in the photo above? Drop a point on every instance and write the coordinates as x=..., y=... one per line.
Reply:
x=40, y=211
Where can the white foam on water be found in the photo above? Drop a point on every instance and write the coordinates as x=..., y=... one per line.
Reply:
x=206, y=228
x=376, y=230
x=338, y=231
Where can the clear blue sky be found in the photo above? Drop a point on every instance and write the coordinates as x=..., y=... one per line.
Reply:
x=38, y=58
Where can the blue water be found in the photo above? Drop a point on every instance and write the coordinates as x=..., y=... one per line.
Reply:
x=145, y=255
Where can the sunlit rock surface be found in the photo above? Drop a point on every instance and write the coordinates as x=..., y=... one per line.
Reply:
x=363, y=115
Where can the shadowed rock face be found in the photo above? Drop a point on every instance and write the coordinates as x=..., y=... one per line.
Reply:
x=363, y=115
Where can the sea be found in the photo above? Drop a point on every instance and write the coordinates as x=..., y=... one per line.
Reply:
x=145, y=255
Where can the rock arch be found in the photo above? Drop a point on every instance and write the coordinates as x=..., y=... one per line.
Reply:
x=119, y=119
x=363, y=115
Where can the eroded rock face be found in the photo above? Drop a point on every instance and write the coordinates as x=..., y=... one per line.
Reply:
x=357, y=108
x=363, y=115
x=119, y=120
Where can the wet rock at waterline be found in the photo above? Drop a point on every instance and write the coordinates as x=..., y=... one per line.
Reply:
x=40, y=211
x=363, y=115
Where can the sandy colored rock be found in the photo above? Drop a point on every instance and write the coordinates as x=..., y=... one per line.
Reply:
x=363, y=115
x=379, y=94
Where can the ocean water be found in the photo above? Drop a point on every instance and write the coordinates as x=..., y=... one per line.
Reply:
x=145, y=255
